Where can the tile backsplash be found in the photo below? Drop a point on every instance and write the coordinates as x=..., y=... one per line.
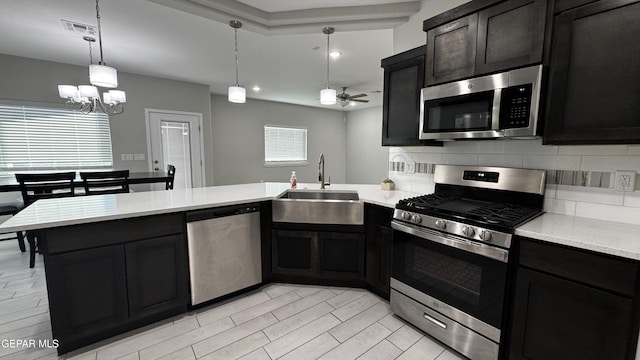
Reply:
x=580, y=179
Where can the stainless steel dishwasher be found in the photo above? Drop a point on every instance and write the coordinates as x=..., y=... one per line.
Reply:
x=224, y=251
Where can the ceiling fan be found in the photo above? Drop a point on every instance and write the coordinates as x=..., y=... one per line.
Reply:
x=344, y=99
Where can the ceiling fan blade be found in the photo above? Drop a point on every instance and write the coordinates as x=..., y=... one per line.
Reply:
x=362, y=101
x=357, y=96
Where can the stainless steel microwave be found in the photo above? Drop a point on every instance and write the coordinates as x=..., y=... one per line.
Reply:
x=493, y=106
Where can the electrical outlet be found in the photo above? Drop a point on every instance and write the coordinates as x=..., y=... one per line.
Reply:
x=127, y=157
x=625, y=180
x=410, y=167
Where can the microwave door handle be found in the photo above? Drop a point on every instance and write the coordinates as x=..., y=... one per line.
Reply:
x=495, y=111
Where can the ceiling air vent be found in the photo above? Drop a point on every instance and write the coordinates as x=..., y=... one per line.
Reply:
x=82, y=29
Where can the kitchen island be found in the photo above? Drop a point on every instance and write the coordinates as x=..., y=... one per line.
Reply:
x=117, y=262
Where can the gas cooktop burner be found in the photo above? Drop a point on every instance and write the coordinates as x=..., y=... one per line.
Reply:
x=462, y=209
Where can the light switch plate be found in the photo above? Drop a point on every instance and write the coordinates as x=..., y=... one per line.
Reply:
x=138, y=156
x=127, y=157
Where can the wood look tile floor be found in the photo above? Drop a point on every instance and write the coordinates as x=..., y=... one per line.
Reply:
x=278, y=321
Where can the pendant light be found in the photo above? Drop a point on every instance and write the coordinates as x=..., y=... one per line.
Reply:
x=328, y=96
x=237, y=94
x=100, y=74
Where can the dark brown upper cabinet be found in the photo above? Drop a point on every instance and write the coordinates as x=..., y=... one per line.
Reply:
x=483, y=37
x=594, y=88
x=403, y=80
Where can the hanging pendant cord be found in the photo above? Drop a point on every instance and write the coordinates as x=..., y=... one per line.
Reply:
x=235, y=29
x=328, y=33
x=99, y=32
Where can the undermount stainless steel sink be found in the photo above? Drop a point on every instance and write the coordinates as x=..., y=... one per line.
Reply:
x=339, y=207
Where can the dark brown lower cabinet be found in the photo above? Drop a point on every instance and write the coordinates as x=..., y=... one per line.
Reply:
x=379, y=245
x=318, y=254
x=87, y=293
x=103, y=283
x=561, y=312
x=155, y=275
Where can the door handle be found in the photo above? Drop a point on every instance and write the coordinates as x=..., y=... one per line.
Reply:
x=156, y=168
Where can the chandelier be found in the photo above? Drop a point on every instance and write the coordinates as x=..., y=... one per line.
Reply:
x=327, y=96
x=87, y=97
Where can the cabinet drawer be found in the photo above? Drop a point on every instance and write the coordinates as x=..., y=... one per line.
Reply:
x=602, y=271
x=85, y=236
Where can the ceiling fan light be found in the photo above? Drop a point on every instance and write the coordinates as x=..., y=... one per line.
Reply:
x=103, y=76
x=67, y=91
x=237, y=94
x=327, y=96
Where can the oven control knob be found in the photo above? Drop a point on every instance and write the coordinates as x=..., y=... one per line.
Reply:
x=441, y=224
x=406, y=216
x=468, y=231
x=485, y=235
x=417, y=219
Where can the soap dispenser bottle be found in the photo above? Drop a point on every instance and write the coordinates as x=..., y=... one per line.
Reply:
x=293, y=181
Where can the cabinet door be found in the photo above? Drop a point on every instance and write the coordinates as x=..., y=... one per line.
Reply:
x=87, y=294
x=510, y=34
x=157, y=276
x=295, y=252
x=451, y=50
x=342, y=255
x=379, y=245
x=555, y=319
x=403, y=82
x=594, y=92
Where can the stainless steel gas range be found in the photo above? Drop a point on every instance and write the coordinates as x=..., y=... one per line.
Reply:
x=451, y=253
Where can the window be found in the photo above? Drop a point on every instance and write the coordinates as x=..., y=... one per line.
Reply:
x=36, y=138
x=285, y=145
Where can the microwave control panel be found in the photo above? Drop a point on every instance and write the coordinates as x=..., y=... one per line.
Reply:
x=515, y=107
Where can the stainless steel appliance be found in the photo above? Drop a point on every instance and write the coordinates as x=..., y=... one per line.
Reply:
x=224, y=251
x=493, y=106
x=451, y=253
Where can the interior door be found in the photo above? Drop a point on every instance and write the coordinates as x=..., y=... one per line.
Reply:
x=176, y=138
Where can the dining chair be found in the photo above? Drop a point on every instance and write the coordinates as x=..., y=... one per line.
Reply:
x=12, y=209
x=171, y=172
x=105, y=182
x=43, y=186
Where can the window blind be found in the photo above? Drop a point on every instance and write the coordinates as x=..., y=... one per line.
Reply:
x=33, y=138
x=284, y=144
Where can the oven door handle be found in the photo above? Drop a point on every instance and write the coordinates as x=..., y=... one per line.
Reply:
x=488, y=251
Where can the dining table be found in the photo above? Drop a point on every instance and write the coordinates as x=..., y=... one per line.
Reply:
x=9, y=183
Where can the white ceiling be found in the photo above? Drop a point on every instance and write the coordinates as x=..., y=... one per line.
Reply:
x=191, y=40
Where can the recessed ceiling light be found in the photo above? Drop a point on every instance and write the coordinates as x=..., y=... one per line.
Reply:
x=256, y=88
x=335, y=54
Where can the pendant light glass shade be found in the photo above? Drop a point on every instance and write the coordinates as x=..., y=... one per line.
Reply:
x=103, y=76
x=88, y=91
x=327, y=96
x=237, y=94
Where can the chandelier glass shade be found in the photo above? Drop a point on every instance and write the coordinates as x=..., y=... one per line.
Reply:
x=103, y=76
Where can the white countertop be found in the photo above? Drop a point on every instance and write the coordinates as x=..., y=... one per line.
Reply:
x=86, y=209
x=606, y=237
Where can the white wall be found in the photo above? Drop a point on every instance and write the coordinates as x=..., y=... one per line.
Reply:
x=36, y=81
x=238, y=141
x=410, y=35
x=366, y=157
